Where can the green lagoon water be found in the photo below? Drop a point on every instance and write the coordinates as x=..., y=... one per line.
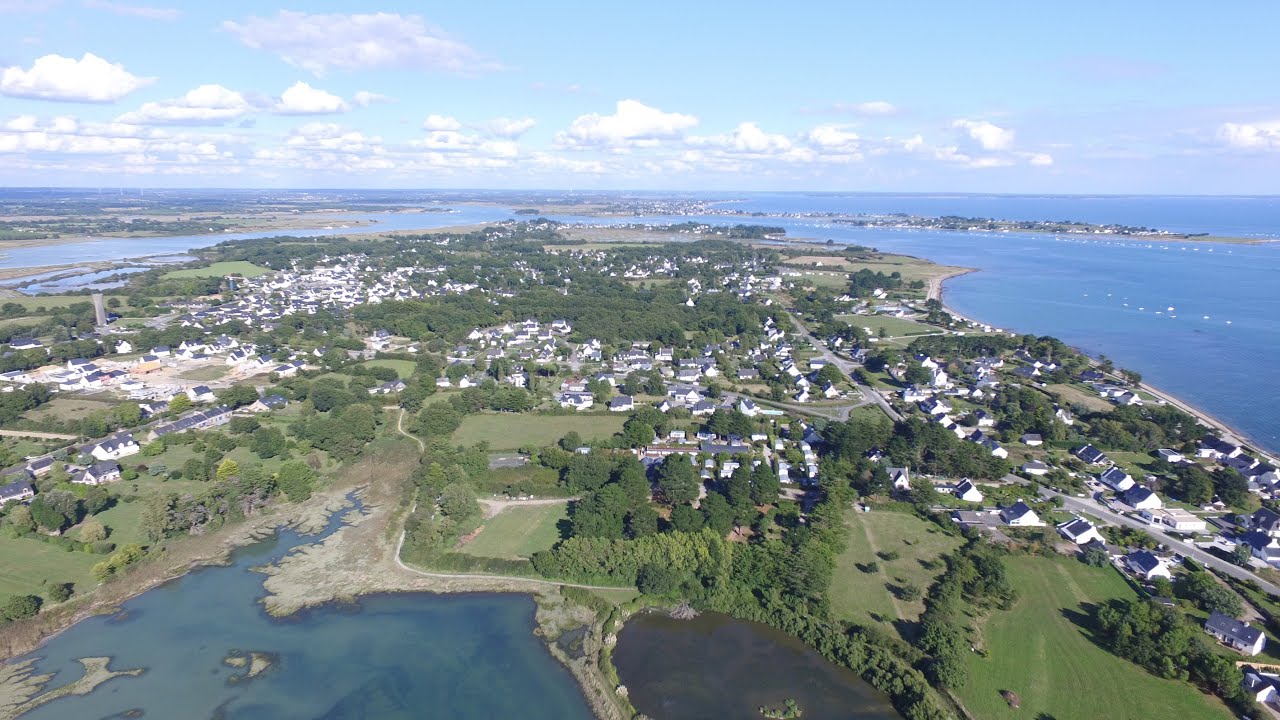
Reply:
x=718, y=667
x=391, y=656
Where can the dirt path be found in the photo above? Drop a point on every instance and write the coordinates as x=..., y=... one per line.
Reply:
x=35, y=434
x=493, y=507
x=422, y=447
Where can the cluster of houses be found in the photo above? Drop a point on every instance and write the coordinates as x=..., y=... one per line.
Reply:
x=722, y=455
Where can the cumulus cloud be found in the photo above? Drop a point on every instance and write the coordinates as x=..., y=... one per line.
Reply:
x=28, y=135
x=54, y=77
x=140, y=11
x=1040, y=159
x=632, y=124
x=205, y=105
x=320, y=42
x=508, y=128
x=987, y=135
x=746, y=138
x=302, y=99
x=441, y=123
x=1250, y=136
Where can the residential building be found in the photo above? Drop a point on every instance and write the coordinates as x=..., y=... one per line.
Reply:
x=1235, y=634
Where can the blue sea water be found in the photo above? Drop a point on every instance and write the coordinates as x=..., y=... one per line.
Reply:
x=390, y=657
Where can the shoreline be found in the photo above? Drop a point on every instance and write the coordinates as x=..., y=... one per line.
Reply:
x=1200, y=415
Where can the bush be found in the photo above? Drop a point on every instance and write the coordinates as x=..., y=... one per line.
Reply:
x=59, y=592
x=20, y=607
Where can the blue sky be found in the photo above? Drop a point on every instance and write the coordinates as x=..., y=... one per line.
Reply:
x=1141, y=97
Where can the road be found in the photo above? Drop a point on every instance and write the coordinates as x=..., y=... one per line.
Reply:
x=37, y=435
x=1107, y=517
x=847, y=367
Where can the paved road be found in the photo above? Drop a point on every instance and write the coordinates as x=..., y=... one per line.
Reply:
x=847, y=367
x=1104, y=514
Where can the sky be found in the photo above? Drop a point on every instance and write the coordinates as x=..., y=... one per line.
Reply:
x=1170, y=97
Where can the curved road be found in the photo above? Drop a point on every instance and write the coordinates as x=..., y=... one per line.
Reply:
x=847, y=367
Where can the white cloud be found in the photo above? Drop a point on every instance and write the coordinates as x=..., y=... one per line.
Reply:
x=302, y=99
x=746, y=138
x=205, y=105
x=873, y=107
x=833, y=137
x=365, y=98
x=54, y=77
x=441, y=123
x=1040, y=159
x=317, y=42
x=27, y=135
x=1251, y=136
x=508, y=128
x=987, y=135
x=141, y=11
x=632, y=124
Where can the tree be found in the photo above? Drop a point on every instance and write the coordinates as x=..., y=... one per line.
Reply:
x=439, y=419
x=194, y=469
x=268, y=443
x=685, y=518
x=1095, y=557
x=20, y=519
x=677, y=480
x=228, y=469
x=21, y=607
x=56, y=509
x=571, y=441
x=1240, y=555
x=296, y=480
x=909, y=592
x=637, y=433
x=179, y=403
x=92, y=530
x=765, y=485
x=719, y=515
x=59, y=592
x=588, y=472
x=641, y=522
x=458, y=502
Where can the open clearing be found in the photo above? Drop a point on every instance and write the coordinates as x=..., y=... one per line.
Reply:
x=403, y=368
x=25, y=563
x=865, y=598
x=510, y=431
x=518, y=532
x=1075, y=396
x=68, y=408
x=1038, y=651
x=206, y=373
x=219, y=269
x=893, y=326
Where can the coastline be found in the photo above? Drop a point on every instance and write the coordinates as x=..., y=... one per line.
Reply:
x=1200, y=415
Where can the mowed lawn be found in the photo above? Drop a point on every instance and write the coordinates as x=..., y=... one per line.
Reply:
x=219, y=269
x=518, y=532
x=893, y=326
x=25, y=563
x=511, y=431
x=865, y=598
x=403, y=368
x=1038, y=652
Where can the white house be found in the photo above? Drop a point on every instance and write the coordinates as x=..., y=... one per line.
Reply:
x=1020, y=515
x=1170, y=456
x=1116, y=479
x=1148, y=565
x=115, y=447
x=622, y=403
x=1141, y=498
x=967, y=492
x=1235, y=634
x=1079, y=531
x=1035, y=467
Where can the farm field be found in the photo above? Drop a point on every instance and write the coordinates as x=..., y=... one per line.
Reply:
x=864, y=597
x=518, y=532
x=219, y=269
x=510, y=431
x=1038, y=651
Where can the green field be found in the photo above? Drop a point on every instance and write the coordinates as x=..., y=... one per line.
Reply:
x=403, y=368
x=219, y=269
x=25, y=563
x=67, y=408
x=206, y=373
x=518, y=532
x=60, y=301
x=865, y=598
x=1038, y=651
x=509, y=431
x=895, y=327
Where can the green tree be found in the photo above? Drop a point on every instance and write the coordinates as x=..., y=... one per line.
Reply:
x=91, y=530
x=686, y=518
x=268, y=443
x=21, y=607
x=765, y=485
x=458, y=502
x=677, y=480
x=296, y=480
x=59, y=592
x=718, y=513
x=179, y=403
x=228, y=469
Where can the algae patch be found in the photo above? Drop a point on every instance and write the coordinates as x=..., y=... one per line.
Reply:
x=21, y=689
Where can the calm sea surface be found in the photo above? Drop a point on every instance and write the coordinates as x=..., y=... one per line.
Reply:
x=406, y=656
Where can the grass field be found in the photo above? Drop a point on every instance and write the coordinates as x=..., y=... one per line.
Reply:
x=507, y=431
x=403, y=368
x=25, y=563
x=219, y=269
x=865, y=598
x=518, y=532
x=60, y=301
x=68, y=408
x=1072, y=394
x=1038, y=652
x=895, y=327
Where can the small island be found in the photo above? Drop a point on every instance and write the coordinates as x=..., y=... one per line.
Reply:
x=253, y=662
x=790, y=709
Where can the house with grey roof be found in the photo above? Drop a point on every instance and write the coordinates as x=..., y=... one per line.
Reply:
x=1235, y=634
